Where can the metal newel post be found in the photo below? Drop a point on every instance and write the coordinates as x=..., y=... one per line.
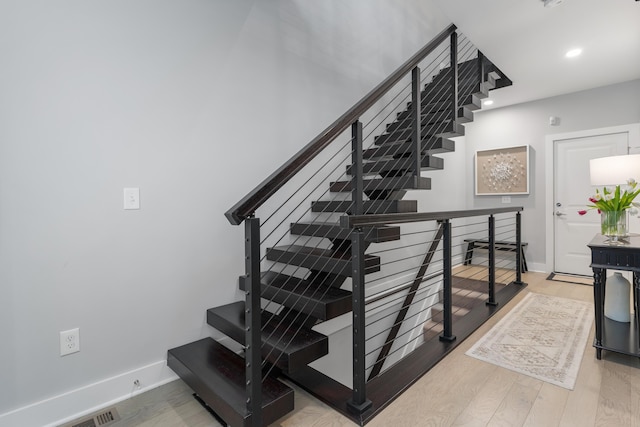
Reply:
x=519, y=263
x=447, y=334
x=454, y=75
x=492, y=261
x=416, y=115
x=356, y=158
x=358, y=402
x=253, y=361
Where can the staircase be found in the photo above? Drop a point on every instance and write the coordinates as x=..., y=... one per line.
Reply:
x=299, y=301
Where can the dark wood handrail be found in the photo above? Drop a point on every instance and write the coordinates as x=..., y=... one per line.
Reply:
x=353, y=221
x=252, y=201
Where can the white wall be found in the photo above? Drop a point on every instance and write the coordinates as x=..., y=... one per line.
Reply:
x=194, y=102
x=528, y=123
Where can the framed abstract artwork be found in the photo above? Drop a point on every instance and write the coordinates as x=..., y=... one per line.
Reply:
x=502, y=171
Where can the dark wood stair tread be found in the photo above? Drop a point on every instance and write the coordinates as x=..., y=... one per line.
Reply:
x=427, y=121
x=217, y=376
x=369, y=206
x=430, y=145
x=333, y=230
x=428, y=138
x=318, y=259
x=405, y=131
x=407, y=182
x=287, y=346
x=437, y=109
x=320, y=301
x=433, y=128
x=402, y=164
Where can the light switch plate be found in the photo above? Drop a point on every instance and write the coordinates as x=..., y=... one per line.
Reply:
x=506, y=199
x=132, y=198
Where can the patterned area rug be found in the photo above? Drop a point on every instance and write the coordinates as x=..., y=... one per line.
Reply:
x=543, y=337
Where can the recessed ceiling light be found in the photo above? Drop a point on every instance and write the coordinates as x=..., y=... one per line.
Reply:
x=488, y=102
x=573, y=53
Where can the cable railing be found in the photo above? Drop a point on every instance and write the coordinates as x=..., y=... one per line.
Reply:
x=361, y=165
x=252, y=201
x=397, y=321
x=426, y=295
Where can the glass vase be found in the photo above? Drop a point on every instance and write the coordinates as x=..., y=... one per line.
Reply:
x=614, y=225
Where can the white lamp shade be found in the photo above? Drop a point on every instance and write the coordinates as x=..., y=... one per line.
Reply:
x=614, y=170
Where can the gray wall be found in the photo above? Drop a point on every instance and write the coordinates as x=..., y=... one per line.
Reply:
x=528, y=123
x=194, y=102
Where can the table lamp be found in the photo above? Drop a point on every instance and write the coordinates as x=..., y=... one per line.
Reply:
x=614, y=170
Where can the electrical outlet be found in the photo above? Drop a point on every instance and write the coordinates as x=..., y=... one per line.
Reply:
x=69, y=341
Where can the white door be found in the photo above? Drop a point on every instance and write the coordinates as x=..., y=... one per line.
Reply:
x=572, y=189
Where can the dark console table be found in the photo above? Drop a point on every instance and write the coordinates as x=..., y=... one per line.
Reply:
x=611, y=335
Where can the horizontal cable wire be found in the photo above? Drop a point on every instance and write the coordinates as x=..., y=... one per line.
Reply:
x=400, y=288
x=395, y=314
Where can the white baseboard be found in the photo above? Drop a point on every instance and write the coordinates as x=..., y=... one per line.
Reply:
x=90, y=398
x=538, y=267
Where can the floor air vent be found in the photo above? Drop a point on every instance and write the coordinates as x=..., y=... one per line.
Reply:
x=102, y=418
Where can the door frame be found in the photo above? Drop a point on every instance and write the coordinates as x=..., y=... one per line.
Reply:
x=550, y=162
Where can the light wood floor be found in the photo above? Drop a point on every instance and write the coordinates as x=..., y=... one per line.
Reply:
x=459, y=391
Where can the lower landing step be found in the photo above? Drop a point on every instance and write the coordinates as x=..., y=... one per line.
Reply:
x=217, y=376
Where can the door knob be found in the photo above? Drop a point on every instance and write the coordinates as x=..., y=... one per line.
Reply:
x=558, y=213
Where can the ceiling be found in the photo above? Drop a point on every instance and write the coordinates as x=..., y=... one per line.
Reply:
x=527, y=41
